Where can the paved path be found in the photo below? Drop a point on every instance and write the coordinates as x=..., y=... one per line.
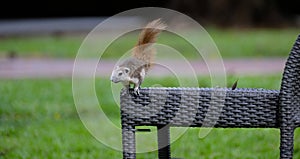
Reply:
x=53, y=68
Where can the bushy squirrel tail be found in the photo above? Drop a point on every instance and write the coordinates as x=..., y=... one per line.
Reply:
x=143, y=49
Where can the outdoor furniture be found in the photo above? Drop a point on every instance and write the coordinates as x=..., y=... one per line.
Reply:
x=239, y=108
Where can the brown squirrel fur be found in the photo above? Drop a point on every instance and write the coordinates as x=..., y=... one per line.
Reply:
x=134, y=69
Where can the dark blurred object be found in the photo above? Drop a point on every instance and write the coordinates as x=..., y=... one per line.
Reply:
x=12, y=55
x=237, y=13
x=60, y=9
x=233, y=87
x=143, y=130
x=223, y=13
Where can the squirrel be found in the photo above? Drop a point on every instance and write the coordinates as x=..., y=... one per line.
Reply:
x=133, y=69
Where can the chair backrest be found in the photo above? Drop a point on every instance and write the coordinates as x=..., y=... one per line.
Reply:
x=289, y=97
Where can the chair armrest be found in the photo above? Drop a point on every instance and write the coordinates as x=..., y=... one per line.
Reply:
x=238, y=108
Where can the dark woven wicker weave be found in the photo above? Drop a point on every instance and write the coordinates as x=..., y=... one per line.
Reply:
x=215, y=107
x=289, y=102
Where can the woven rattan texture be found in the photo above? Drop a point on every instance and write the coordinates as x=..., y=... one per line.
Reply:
x=289, y=112
x=290, y=88
x=195, y=106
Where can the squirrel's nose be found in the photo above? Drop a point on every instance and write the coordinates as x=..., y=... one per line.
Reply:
x=112, y=79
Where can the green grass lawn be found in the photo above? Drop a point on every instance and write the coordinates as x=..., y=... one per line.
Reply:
x=231, y=44
x=38, y=119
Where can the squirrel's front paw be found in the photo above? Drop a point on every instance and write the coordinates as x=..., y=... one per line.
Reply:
x=136, y=91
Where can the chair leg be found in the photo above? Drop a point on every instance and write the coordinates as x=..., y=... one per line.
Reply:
x=128, y=140
x=163, y=137
x=286, y=143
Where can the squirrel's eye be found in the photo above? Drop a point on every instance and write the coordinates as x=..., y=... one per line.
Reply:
x=120, y=74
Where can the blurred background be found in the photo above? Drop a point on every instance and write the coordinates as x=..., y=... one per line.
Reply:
x=39, y=42
x=255, y=13
x=219, y=13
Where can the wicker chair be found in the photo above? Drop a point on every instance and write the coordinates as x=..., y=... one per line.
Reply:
x=240, y=108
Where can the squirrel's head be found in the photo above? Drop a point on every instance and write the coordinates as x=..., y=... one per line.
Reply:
x=120, y=74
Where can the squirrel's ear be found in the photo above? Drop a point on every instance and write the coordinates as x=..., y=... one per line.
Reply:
x=127, y=70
